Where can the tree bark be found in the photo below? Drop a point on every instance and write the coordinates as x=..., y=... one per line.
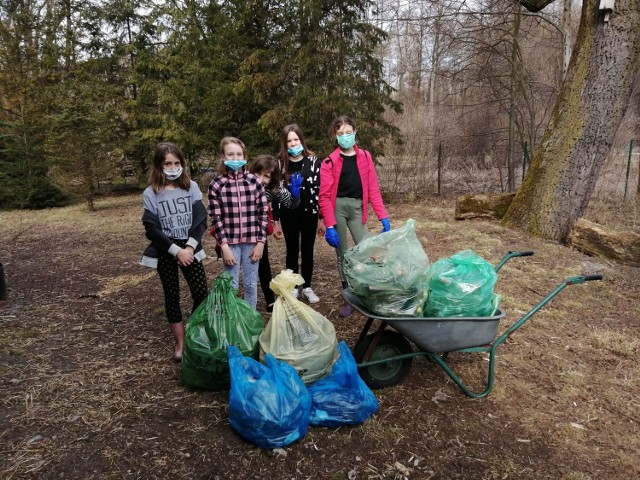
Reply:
x=592, y=102
x=482, y=206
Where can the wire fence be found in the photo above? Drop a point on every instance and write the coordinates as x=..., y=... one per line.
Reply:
x=407, y=178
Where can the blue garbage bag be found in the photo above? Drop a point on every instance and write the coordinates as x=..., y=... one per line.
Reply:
x=342, y=397
x=269, y=405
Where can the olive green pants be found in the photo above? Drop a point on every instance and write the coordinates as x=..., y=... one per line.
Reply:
x=348, y=216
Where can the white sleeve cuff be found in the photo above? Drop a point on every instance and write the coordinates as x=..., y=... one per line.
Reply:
x=192, y=242
x=174, y=249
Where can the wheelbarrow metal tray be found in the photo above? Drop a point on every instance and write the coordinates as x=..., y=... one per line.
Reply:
x=438, y=334
x=433, y=334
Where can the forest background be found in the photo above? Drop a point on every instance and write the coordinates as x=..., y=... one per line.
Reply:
x=452, y=96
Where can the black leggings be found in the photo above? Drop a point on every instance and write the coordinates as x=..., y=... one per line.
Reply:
x=300, y=230
x=194, y=275
x=264, y=274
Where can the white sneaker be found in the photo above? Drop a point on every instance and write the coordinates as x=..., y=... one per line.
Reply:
x=310, y=295
x=295, y=292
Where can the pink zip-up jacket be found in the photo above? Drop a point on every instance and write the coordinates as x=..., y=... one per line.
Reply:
x=330, y=178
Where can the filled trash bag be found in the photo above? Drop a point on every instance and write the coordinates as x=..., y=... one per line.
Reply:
x=389, y=273
x=297, y=334
x=342, y=397
x=462, y=286
x=220, y=320
x=268, y=404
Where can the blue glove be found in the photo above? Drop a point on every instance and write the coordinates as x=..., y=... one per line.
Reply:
x=295, y=182
x=332, y=237
x=386, y=226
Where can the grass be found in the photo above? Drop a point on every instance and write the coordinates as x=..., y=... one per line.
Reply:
x=85, y=363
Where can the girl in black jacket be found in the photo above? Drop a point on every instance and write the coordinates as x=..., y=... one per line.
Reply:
x=300, y=225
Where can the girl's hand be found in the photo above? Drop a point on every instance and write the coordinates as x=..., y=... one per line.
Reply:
x=185, y=256
x=227, y=255
x=321, y=228
x=256, y=253
x=277, y=231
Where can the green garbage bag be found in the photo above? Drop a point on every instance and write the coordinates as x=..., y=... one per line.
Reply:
x=389, y=273
x=462, y=286
x=222, y=319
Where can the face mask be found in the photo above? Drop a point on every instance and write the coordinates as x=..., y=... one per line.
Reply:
x=172, y=175
x=346, y=141
x=235, y=165
x=295, y=151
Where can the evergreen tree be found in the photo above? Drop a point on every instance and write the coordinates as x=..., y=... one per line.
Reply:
x=312, y=60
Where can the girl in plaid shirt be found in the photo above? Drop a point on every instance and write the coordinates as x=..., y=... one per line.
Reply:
x=238, y=211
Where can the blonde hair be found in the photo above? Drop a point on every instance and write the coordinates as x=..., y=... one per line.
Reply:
x=223, y=143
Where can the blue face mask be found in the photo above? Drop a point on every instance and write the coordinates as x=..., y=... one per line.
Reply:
x=295, y=151
x=235, y=165
x=346, y=141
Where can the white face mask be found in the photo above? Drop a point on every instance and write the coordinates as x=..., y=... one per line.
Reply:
x=172, y=175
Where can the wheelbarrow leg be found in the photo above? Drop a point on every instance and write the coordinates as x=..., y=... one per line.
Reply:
x=441, y=360
x=363, y=333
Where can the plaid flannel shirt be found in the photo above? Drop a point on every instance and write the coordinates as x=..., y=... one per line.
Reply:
x=238, y=208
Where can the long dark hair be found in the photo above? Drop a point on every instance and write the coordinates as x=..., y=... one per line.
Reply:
x=267, y=163
x=283, y=155
x=156, y=175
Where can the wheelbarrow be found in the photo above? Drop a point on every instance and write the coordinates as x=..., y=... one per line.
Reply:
x=385, y=356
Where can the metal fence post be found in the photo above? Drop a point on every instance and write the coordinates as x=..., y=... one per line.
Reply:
x=3, y=284
x=626, y=180
x=439, y=169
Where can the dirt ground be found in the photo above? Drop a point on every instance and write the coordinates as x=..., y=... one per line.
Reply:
x=88, y=389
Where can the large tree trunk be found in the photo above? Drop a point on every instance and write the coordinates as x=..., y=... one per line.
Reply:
x=592, y=102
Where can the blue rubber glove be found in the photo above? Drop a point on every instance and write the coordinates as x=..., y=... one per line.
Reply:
x=332, y=237
x=295, y=182
x=386, y=226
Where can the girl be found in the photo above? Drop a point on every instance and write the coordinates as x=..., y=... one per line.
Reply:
x=348, y=183
x=301, y=224
x=174, y=219
x=238, y=211
x=267, y=169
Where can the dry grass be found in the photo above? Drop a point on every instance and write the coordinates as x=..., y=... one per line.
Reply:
x=89, y=391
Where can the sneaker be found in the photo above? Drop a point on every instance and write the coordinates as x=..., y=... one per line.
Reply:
x=310, y=295
x=295, y=292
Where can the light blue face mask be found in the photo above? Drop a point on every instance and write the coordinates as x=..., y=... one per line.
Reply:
x=295, y=151
x=346, y=141
x=235, y=165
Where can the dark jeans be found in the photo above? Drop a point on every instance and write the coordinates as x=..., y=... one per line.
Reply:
x=299, y=230
x=194, y=275
x=264, y=273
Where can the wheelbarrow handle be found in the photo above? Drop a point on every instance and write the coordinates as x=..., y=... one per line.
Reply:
x=582, y=279
x=510, y=255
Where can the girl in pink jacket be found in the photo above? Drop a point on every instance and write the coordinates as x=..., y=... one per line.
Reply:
x=348, y=184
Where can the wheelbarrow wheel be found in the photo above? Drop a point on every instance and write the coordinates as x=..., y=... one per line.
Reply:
x=387, y=374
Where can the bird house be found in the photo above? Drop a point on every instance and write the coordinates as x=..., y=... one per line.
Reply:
x=607, y=7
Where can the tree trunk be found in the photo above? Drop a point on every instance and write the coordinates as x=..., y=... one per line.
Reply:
x=594, y=239
x=592, y=102
x=482, y=206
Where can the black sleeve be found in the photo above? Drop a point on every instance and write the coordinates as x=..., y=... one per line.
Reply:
x=199, y=224
x=154, y=233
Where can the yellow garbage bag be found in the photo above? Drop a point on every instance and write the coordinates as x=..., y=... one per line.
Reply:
x=297, y=334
